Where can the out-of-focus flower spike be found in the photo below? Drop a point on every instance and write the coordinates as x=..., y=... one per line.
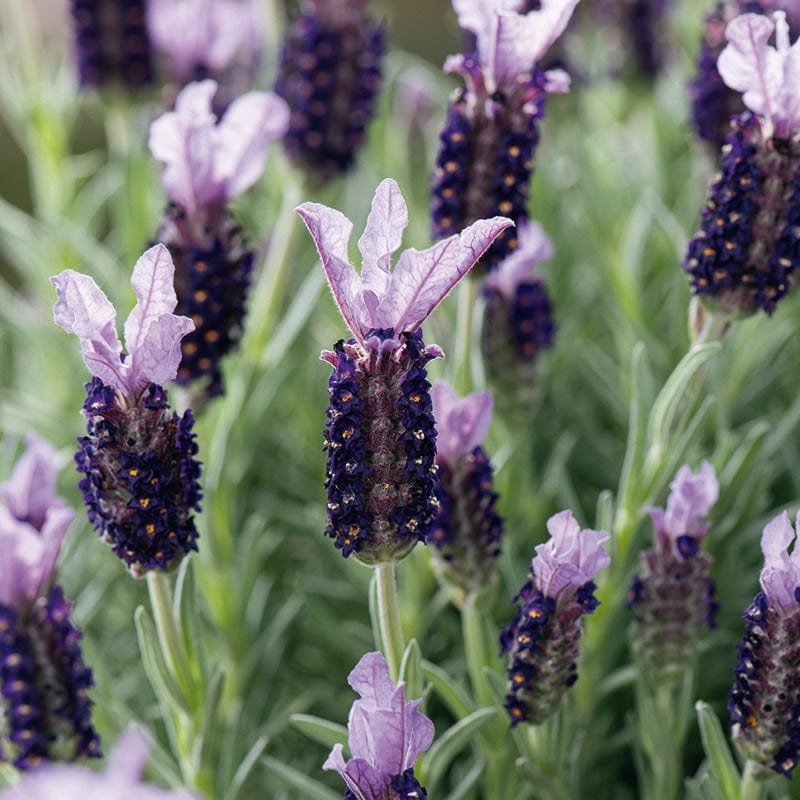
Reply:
x=672, y=596
x=747, y=248
x=120, y=779
x=385, y=734
x=380, y=433
x=466, y=537
x=140, y=481
x=518, y=320
x=208, y=163
x=111, y=43
x=486, y=150
x=542, y=640
x=330, y=75
x=44, y=703
x=765, y=699
x=218, y=39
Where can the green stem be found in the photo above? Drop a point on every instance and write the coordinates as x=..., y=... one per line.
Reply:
x=750, y=786
x=467, y=293
x=475, y=649
x=389, y=617
x=170, y=635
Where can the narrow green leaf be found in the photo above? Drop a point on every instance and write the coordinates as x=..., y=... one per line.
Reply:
x=202, y=743
x=411, y=670
x=715, y=744
x=452, y=742
x=470, y=780
x=244, y=769
x=674, y=393
x=309, y=788
x=320, y=730
x=163, y=684
x=453, y=696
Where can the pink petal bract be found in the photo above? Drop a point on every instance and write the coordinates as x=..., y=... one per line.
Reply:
x=461, y=422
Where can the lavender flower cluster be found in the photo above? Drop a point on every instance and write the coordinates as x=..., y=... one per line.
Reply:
x=406, y=462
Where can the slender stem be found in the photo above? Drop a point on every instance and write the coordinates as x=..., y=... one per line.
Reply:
x=475, y=649
x=170, y=635
x=467, y=293
x=750, y=786
x=389, y=617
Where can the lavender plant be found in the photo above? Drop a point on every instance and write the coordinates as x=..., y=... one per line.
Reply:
x=232, y=667
x=487, y=144
x=208, y=163
x=140, y=483
x=743, y=256
x=44, y=704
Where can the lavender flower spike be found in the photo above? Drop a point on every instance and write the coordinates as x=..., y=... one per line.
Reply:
x=386, y=734
x=380, y=433
x=542, y=639
x=466, y=536
x=765, y=699
x=208, y=163
x=120, y=780
x=745, y=253
x=487, y=145
x=517, y=321
x=672, y=597
x=44, y=704
x=140, y=485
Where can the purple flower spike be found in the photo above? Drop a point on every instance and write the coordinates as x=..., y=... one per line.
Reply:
x=468, y=530
x=487, y=145
x=744, y=255
x=768, y=77
x=380, y=434
x=141, y=477
x=386, y=734
x=330, y=75
x=208, y=162
x=381, y=298
x=765, y=699
x=120, y=780
x=219, y=39
x=542, y=640
x=43, y=680
x=111, y=43
x=673, y=597
x=518, y=320
x=152, y=332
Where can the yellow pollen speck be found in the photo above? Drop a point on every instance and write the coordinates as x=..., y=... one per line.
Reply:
x=133, y=472
x=200, y=266
x=144, y=502
x=514, y=151
x=150, y=528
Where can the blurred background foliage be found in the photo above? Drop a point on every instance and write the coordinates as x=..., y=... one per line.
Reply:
x=619, y=183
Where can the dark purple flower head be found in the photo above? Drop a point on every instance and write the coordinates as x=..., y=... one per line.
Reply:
x=43, y=680
x=111, y=43
x=518, y=320
x=486, y=153
x=672, y=597
x=330, y=75
x=380, y=433
x=141, y=477
x=219, y=39
x=467, y=533
x=120, y=780
x=542, y=639
x=747, y=248
x=209, y=161
x=386, y=734
x=765, y=699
